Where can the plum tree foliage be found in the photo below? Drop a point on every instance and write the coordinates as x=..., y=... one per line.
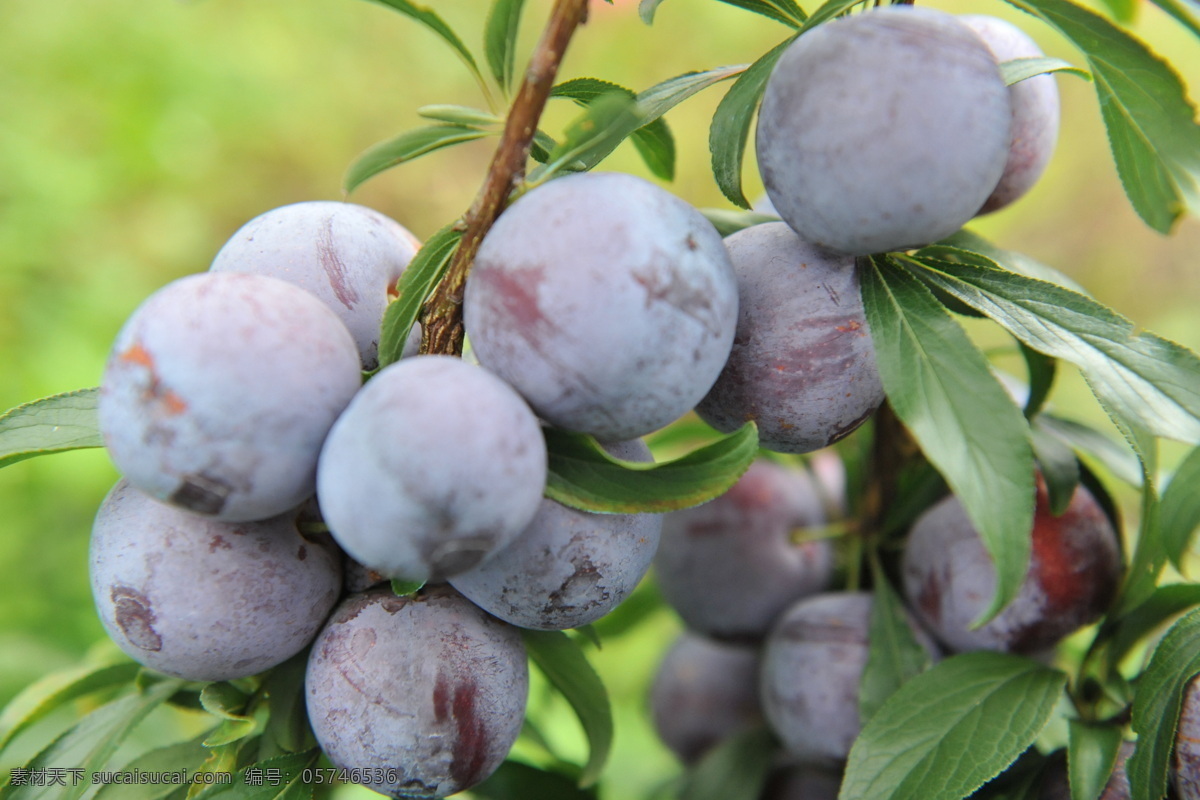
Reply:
x=303, y=424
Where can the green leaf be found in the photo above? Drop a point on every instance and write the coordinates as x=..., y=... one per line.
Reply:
x=605, y=123
x=1042, y=371
x=1060, y=468
x=1151, y=124
x=1020, y=69
x=287, y=728
x=734, y=769
x=894, y=655
x=653, y=141
x=1138, y=376
x=947, y=731
x=1156, y=706
x=56, y=689
x=784, y=11
x=184, y=756
x=224, y=700
x=563, y=663
x=418, y=280
x=406, y=147
x=582, y=475
x=1113, y=456
x=730, y=128
x=460, y=115
x=431, y=20
x=1149, y=554
x=1124, y=11
x=1126, y=630
x=942, y=389
x=727, y=222
x=1180, y=11
x=402, y=588
x=646, y=9
x=1179, y=512
x=827, y=11
x=500, y=39
x=90, y=743
x=970, y=248
x=51, y=425
x=918, y=487
x=1091, y=753
x=517, y=781
x=252, y=783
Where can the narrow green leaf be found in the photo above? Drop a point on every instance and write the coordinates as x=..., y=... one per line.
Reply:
x=784, y=11
x=460, y=115
x=1042, y=371
x=1124, y=11
x=605, y=123
x=582, y=475
x=970, y=248
x=406, y=147
x=56, y=689
x=431, y=20
x=287, y=728
x=1140, y=377
x=942, y=389
x=1091, y=754
x=727, y=222
x=1021, y=69
x=184, y=756
x=418, y=280
x=224, y=700
x=894, y=655
x=949, y=730
x=563, y=663
x=1113, y=456
x=50, y=425
x=517, y=781
x=1181, y=11
x=402, y=588
x=1151, y=124
x=1179, y=512
x=653, y=141
x=1156, y=706
x=827, y=11
x=90, y=743
x=1149, y=554
x=1059, y=467
x=500, y=39
x=1125, y=631
x=730, y=129
x=256, y=781
x=734, y=769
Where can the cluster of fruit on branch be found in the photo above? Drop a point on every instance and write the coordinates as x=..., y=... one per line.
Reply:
x=289, y=483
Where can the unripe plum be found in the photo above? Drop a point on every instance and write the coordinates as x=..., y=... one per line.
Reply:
x=812, y=667
x=220, y=390
x=206, y=600
x=730, y=566
x=568, y=567
x=1074, y=570
x=427, y=687
x=1035, y=110
x=885, y=130
x=802, y=365
x=434, y=466
x=703, y=692
x=1187, y=744
x=607, y=302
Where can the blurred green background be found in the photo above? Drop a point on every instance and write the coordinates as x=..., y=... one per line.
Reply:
x=137, y=135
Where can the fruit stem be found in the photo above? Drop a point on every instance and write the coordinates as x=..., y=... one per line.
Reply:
x=441, y=315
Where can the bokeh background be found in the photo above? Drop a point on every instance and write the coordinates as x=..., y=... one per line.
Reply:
x=137, y=135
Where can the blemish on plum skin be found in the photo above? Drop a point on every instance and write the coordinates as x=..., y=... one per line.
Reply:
x=218, y=542
x=303, y=553
x=135, y=617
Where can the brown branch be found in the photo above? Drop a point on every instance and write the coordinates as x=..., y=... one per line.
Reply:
x=441, y=315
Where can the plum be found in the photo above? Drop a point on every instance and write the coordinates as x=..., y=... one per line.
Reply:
x=812, y=667
x=885, y=130
x=202, y=599
x=703, y=692
x=568, y=567
x=802, y=365
x=1187, y=744
x=730, y=566
x=804, y=782
x=424, y=694
x=434, y=466
x=1035, y=110
x=220, y=390
x=608, y=303
x=1074, y=571
x=349, y=256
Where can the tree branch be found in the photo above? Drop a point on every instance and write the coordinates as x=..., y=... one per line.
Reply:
x=441, y=316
